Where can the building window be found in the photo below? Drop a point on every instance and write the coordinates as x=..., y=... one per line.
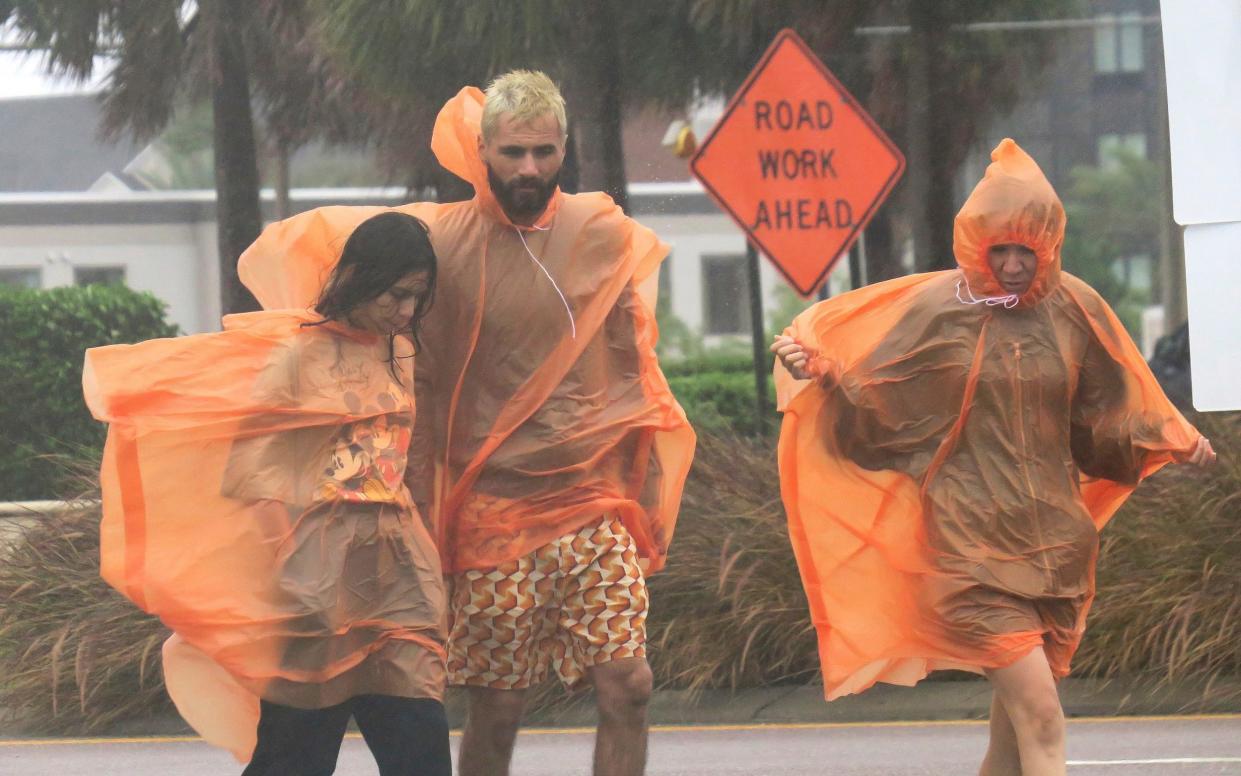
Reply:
x=1115, y=147
x=99, y=276
x=21, y=277
x=1118, y=43
x=724, y=295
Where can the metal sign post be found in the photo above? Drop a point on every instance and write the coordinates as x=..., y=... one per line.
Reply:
x=801, y=168
x=759, y=338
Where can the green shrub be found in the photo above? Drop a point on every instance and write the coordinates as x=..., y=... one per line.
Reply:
x=729, y=363
x=720, y=402
x=717, y=393
x=41, y=408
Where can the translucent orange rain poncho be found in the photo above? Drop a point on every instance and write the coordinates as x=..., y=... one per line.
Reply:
x=537, y=413
x=948, y=468
x=253, y=499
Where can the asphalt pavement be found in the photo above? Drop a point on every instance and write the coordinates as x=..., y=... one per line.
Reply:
x=1107, y=746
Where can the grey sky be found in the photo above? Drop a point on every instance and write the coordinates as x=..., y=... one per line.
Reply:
x=23, y=74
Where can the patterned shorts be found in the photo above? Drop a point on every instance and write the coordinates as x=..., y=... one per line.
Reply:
x=575, y=603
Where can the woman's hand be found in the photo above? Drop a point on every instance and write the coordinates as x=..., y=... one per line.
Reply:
x=792, y=355
x=1202, y=455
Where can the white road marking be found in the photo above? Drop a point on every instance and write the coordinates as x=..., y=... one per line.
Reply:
x=1164, y=761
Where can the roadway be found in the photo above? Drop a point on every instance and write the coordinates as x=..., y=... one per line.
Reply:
x=1137, y=746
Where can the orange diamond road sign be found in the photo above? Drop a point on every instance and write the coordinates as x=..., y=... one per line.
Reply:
x=797, y=163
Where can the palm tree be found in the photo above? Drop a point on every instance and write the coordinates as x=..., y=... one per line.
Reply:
x=302, y=96
x=931, y=85
x=163, y=49
x=606, y=57
x=610, y=58
x=168, y=52
x=956, y=82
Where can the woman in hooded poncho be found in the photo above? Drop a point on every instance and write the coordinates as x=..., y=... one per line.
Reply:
x=254, y=499
x=952, y=444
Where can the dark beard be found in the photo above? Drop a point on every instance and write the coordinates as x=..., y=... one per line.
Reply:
x=522, y=206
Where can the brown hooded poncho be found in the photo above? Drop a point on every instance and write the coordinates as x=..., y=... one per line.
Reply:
x=947, y=470
x=254, y=499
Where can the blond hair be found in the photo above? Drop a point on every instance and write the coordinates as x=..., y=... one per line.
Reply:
x=525, y=95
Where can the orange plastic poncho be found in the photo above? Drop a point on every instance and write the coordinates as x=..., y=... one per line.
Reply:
x=946, y=472
x=537, y=413
x=254, y=499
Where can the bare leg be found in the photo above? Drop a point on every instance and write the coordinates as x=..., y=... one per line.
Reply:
x=1027, y=691
x=1003, y=758
x=623, y=689
x=491, y=725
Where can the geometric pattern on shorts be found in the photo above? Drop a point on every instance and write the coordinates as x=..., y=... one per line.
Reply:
x=574, y=603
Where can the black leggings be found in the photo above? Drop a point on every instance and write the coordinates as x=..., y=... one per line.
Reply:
x=407, y=736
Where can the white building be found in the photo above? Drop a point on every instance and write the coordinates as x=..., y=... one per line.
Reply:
x=73, y=212
x=165, y=243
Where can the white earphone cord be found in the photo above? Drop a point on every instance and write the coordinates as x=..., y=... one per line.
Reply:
x=567, y=309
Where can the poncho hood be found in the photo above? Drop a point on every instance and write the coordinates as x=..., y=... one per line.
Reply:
x=454, y=141
x=293, y=278
x=1013, y=203
x=245, y=473
x=541, y=403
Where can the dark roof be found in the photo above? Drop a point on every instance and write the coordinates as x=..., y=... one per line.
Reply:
x=52, y=144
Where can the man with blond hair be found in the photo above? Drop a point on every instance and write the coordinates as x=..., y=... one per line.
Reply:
x=548, y=452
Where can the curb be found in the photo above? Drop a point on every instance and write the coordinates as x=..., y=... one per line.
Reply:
x=965, y=699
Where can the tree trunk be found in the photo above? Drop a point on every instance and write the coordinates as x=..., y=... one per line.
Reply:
x=570, y=173
x=882, y=259
x=930, y=180
x=284, y=203
x=595, y=95
x=238, y=217
x=448, y=187
x=940, y=207
x=1171, y=245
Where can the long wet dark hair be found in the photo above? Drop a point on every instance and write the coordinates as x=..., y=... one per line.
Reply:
x=380, y=251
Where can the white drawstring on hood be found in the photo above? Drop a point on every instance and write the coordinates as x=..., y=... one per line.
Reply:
x=1009, y=301
x=530, y=253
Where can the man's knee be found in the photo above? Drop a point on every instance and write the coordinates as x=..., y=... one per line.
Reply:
x=497, y=712
x=623, y=687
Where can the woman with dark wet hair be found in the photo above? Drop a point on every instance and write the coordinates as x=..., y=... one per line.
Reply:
x=385, y=279
x=254, y=499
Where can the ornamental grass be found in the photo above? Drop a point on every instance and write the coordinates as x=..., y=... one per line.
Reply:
x=1168, y=607
x=728, y=612
x=729, y=609
x=75, y=656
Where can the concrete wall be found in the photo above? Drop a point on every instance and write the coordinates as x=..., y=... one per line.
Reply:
x=175, y=262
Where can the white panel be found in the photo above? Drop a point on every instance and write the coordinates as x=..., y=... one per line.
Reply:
x=1213, y=284
x=1202, y=52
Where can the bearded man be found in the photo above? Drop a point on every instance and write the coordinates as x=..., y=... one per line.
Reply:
x=548, y=453
x=553, y=453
